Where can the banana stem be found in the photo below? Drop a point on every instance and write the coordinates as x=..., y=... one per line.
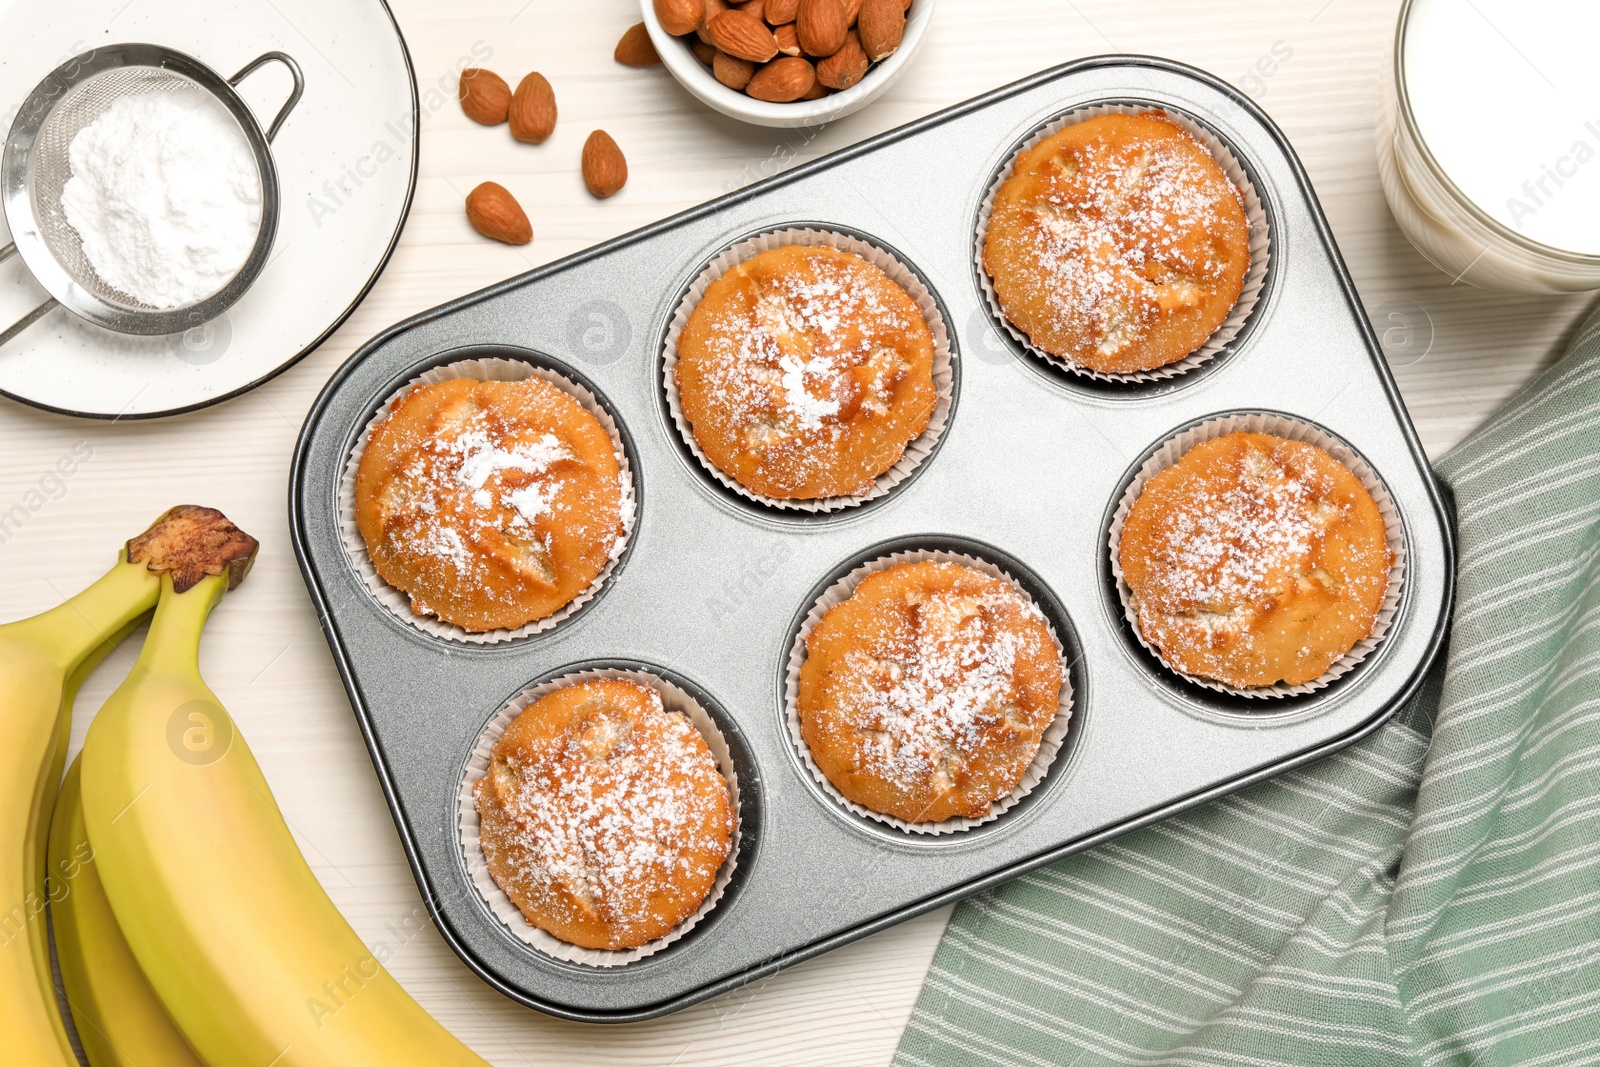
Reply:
x=180, y=549
x=73, y=631
x=173, y=644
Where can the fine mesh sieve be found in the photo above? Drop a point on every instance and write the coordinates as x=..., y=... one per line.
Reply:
x=36, y=167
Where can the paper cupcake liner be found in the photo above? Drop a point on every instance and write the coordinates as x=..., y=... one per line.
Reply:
x=485, y=370
x=1255, y=213
x=1049, y=746
x=898, y=272
x=1175, y=447
x=673, y=699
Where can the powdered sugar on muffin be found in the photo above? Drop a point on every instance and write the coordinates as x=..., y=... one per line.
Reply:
x=492, y=504
x=1118, y=243
x=804, y=372
x=1255, y=560
x=604, y=817
x=925, y=695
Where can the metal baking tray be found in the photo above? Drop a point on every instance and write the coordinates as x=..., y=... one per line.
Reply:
x=713, y=587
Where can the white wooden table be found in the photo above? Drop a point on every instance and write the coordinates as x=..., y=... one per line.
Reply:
x=1313, y=64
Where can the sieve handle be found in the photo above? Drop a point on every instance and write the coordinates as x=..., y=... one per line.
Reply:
x=27, y=320
x=31, y=317
x=294, y=72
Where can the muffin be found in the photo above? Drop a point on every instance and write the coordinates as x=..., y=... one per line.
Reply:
x=604, y=817
x=804, y=372
x=491, y=504
x=924, y=696
x=1255, y=560
x=1118, y=244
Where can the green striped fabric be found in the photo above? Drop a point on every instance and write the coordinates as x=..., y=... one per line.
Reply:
x=1430, y=896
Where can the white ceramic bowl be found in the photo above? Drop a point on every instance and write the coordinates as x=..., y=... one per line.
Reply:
x=697, y=78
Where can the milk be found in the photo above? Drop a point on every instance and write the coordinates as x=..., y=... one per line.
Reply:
x=1506, y=97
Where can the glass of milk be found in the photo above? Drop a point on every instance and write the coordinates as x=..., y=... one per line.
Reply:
x=1489, y=140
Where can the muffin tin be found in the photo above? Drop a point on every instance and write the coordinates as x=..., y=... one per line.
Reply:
x=715, y=586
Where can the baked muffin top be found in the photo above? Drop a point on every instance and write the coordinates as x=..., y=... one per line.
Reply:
x=925, y=695
x=492, y=504
x=1255, y=560
x=1118, y=243
x=604, y=817
x=804, y=372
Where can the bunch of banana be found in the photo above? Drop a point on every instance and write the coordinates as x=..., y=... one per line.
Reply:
x=121, y=1021
x=230, y=929
x=188, y=927
x=42, y=662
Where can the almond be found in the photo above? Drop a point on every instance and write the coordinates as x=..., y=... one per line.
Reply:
x=852, y=10
x=485, y=96
x=604, y=169
x=705, y=53
x=494, y=212
x=780, y=11
x=733, y=72
x=712, y=9
x=816, y=92
x=881, y=24
x=788, y=40
x=679, y=17
x=533, y=110
x=821, y=26
x=784, y=79
x=758, y=8
x=743, y=36
x=635, y=49
x=845, y=67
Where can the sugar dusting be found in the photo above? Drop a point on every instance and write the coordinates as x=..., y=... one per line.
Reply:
x=1119, y=237
x=509, y=486
x=814, y=354
x=809, y=409
x=603, y=822
x=475, y=484
x=1231, y=548
x=1236, y=546
x=929, y=698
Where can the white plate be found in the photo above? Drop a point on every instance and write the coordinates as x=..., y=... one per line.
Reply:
x=347, y=164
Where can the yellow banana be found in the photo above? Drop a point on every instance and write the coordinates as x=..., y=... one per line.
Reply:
x=228, y=922
x=42, y=660
x=120, y=1020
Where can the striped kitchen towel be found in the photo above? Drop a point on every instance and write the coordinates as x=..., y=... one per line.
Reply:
x=1429, y=896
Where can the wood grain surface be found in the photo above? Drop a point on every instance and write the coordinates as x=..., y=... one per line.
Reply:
x=1313, y=65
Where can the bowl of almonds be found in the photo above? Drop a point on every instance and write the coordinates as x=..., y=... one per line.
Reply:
x=786, y=62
